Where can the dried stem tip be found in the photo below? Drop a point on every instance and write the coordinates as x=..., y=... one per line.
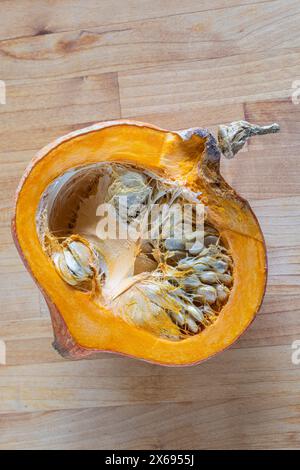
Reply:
x=233, y=137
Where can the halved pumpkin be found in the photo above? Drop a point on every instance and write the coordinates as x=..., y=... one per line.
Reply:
x=83, y=324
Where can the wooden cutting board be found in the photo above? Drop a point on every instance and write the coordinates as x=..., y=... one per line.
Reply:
x=176, y=64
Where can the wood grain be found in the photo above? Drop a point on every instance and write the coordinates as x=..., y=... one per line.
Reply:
x=70, y=63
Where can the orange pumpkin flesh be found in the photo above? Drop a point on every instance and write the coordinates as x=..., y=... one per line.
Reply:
x=81, y=327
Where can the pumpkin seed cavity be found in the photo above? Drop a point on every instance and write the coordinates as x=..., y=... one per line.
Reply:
x=174, y=288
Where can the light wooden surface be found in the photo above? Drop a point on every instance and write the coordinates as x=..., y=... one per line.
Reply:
x=174, y=63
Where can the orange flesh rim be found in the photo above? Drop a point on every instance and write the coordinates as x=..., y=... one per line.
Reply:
x=96, y=328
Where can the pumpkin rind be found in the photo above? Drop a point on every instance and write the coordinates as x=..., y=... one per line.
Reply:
x=80, y=327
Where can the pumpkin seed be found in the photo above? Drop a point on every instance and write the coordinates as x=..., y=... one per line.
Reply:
x=208, y=293
x=175, y=256
x=191, y=282
x=209, y=277
x=208, y=310
x=196, y=248
x=174, y=244
x=225, y=279
x=220, y=266
x=192, y=326
x=200, y=267
x=196, y=313
x=80, y=252
x=178, y=318
x=62, y=268
x=210, y=240
x=80, y=271
x=222, y=292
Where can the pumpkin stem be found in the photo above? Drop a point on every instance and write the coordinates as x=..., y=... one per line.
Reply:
x=233, y=137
